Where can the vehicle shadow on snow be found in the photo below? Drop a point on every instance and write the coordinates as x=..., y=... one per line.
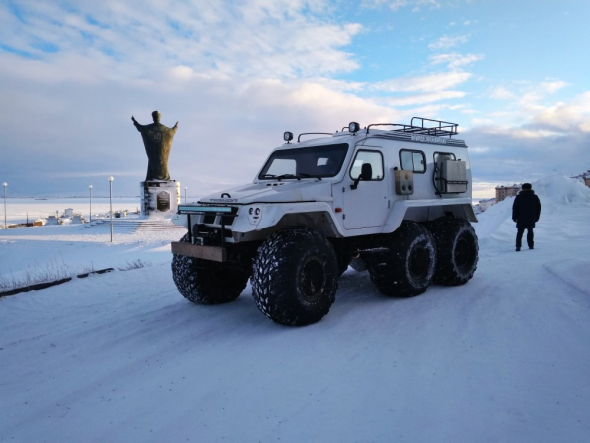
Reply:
x=355, y=290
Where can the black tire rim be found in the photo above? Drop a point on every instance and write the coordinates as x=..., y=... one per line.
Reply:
x=419, y=262
x=312, y=279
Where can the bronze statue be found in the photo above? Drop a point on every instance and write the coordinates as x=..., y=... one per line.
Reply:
x=157, y=140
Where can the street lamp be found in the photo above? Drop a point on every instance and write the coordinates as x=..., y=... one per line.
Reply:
x=111, y=198
x=5, y=224
x=90, y=187
x=185, y=194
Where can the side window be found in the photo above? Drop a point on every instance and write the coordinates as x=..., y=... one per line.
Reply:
x=442, y=156
x=412, y=160
x=374, y=158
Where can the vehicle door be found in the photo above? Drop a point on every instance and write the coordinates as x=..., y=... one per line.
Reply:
x=365, y=199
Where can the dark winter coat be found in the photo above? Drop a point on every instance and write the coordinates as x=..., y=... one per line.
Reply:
x=526, y=209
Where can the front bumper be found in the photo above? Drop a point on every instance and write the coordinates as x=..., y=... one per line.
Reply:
x=212, y=253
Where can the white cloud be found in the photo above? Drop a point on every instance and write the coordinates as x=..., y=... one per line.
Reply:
x=255, y=38
x=528, y=102
x=394, y=5
x=552, y=87
x=447, y=42
x=454, y=60
x=544, y=139
x=235, y=75
x=501, y=93
x=432, y=82
x=566, y=116
x=482, y=121
x=424, y=98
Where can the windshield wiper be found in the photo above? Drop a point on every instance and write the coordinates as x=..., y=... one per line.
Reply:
x=298, y=176
x=303, y=174
x=286, y=176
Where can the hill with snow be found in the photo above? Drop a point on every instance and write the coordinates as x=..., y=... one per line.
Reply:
x=124, y=357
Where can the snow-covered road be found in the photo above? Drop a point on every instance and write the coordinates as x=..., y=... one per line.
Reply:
x=123, y=357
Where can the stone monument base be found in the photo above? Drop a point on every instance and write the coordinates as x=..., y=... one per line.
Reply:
x=159, y=198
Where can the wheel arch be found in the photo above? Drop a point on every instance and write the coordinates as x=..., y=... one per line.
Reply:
x=422, y=211
x=313, y=215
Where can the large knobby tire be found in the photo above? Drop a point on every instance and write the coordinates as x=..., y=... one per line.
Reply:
x=457, y=250
x=406, y=269
x=206, y=282
x=295, y=276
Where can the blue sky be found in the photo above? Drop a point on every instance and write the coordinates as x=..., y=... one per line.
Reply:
x=237, y=74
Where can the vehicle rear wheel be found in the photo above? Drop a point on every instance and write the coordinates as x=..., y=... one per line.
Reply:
x=295, y=276
x=206, y=282
x=457, y=250
x=407, y=267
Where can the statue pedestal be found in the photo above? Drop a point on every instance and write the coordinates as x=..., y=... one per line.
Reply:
x=159, y=198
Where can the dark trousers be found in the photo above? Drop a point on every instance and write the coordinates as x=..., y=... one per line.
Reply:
x=530, y=237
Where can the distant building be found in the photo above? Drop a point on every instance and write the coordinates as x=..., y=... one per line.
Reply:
x=585, y=177
x=506, y=191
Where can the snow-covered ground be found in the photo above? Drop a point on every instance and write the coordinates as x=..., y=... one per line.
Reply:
x=123, y=357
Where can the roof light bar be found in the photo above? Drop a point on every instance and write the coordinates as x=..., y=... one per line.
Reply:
x=214, y=209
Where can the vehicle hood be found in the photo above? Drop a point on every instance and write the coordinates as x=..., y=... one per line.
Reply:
x=273, y=192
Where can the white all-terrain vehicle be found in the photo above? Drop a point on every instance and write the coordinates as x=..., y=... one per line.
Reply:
x=395, y=202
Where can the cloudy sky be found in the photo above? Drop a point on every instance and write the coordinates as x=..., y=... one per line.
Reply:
x=237, y=74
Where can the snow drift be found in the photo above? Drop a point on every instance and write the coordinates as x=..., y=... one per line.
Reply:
x=123, y=357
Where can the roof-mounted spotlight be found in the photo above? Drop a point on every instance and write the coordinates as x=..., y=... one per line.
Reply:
x=288, y=136
x=353, y=127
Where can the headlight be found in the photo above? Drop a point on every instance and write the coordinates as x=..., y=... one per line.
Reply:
x=254, y=215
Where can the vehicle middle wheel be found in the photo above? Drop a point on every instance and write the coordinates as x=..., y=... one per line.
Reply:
x=295, y=276
x=406, y=269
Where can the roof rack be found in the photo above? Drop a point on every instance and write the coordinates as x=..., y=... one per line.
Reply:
x=439, y=129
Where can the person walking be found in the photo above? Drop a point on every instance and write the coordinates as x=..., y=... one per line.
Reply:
x=526, y=211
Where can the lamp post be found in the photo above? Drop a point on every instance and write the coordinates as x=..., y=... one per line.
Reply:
x=5, y=224
x=185, y=194
x=111, y=199
x=90, y=188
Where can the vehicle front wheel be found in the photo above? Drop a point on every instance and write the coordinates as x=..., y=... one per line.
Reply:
x=295, y=276
x=407, y=267
x=206, y=282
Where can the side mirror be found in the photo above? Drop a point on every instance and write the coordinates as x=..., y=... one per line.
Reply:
x=365, y=175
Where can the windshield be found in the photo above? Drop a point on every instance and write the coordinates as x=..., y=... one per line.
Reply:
x=312, y=162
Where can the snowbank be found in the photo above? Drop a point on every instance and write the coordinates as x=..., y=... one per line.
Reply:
x=123, y=357
x=561, y=189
